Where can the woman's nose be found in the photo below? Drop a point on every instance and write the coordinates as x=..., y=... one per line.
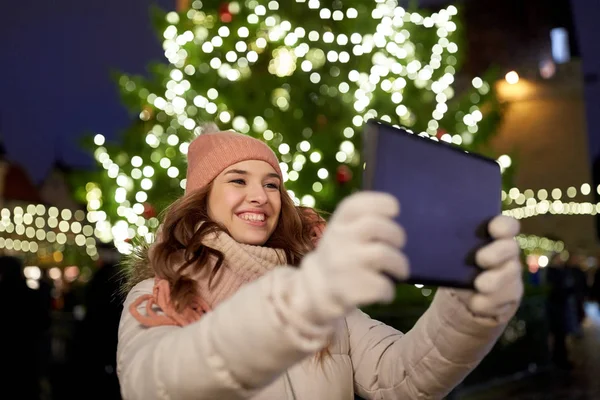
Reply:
x=257, y=194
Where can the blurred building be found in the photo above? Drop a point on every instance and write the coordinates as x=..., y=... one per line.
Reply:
x=587, y=15
x=55, y=189
x=517, y=34
x=15, y=185
x=16, y=190
x=545, y=129
x=43, y=225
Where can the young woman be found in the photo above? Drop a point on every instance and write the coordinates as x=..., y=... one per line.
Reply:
x=237, y=300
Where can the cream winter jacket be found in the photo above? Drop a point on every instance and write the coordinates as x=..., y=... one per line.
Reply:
x=251, y=347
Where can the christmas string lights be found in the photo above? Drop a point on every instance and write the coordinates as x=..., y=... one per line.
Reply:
x=317, y=56
x=520, y=197
x=556, y=207
x=537, y=244
x=532, y=203
x=35, y=227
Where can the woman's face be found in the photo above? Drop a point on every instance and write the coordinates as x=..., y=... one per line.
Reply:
x=245, y=199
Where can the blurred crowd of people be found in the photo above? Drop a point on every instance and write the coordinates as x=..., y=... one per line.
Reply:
x=571, y=283
x=59, y=346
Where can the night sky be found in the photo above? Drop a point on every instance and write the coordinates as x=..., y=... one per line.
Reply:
x=55, y=83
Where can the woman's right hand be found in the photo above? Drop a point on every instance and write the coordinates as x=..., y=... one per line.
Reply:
x=351, y=267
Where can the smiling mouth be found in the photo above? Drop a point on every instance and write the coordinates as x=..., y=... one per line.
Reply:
x=253, y=219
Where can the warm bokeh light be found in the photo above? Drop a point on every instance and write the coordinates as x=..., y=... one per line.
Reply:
x=33, y=228
x=529, y=203
x=512, y=77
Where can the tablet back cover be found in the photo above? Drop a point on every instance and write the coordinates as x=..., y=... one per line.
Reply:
x=447, y=197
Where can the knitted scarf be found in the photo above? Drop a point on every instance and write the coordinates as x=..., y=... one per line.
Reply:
x=242, y=264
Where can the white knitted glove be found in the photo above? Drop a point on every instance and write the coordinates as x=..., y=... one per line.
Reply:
x=359, y=245
x=499, y=287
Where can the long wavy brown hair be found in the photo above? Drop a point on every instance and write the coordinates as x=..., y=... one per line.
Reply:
x=178, y=252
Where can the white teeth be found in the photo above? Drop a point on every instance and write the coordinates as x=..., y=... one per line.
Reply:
x=252, y=217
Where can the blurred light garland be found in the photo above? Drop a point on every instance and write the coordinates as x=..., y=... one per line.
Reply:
x=543, y=201
x=536, y=244
x=33, y=227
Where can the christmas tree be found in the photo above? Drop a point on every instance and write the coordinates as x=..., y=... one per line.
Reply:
x=303, y=76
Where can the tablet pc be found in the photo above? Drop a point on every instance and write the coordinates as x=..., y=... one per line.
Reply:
x=447, y=198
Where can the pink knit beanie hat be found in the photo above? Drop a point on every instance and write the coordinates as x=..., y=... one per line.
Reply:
x=213, y=151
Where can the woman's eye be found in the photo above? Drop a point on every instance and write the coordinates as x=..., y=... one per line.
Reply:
x=272, y=186
x=238, y=181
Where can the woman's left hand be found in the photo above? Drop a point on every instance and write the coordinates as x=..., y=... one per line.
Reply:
x=499, y=287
